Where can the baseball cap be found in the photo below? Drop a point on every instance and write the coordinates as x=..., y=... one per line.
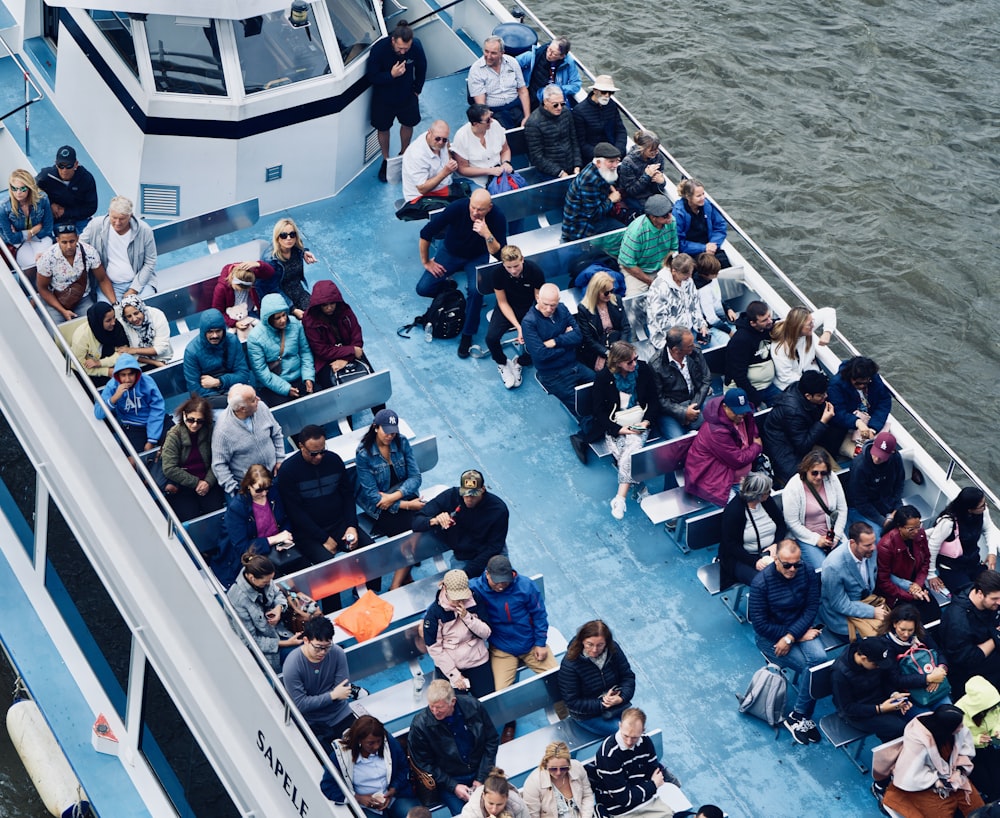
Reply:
x=499, y=569
x=736, y=399
x=885, y=442
x=387, y=421
x=456, y=585
x=471, y=484
x=875, y=650
x=66, y=155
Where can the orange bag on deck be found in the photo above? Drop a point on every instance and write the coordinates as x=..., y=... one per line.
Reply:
x=367, y=617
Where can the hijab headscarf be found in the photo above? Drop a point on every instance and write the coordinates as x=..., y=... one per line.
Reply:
x=109, y=341
x=145, y=330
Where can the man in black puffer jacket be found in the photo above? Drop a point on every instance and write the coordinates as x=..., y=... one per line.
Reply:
x=798, y=422
x=551, y=136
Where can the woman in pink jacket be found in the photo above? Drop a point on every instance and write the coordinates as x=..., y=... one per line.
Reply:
x=724, y=450
x=455, y=632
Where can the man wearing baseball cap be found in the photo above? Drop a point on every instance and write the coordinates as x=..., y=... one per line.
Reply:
x=70, y=187
x=592, y=196
x=467, y=520
x=876, y=488
x=519, y=623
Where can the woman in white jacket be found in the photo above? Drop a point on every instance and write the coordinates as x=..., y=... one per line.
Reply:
x=794, y=348
x=931, y=775
x=559, y=788
x=496, y=798
x=815, y=507
x=147, y=329
x=963, y=542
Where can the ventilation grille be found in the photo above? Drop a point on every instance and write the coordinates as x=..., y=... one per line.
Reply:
x=272, y=174
x=372, y=148
x=160, y=200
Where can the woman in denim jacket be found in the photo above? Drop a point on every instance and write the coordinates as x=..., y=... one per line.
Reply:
x=26, y=219
x=388, y=481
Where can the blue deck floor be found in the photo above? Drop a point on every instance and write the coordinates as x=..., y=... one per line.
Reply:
x=690, y=655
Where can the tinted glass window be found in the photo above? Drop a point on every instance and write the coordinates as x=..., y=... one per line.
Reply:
x=274, y=53
x=117, y=28
x=356, y=25
x=184, y=52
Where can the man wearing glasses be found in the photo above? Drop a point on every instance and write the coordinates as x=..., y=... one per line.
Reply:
x=428, y=166
x=70, y=187
x=316, y=677
x=784, y=601
x=318, y=494
x=551, y=136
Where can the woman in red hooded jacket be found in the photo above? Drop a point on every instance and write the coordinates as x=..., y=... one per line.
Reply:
x=333, y=333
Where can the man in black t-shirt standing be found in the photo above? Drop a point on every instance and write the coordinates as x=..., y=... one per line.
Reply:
x=516, y=286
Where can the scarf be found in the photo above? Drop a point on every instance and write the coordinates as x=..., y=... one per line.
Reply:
x=145, y=330
x=109, y=341
x=626, y=382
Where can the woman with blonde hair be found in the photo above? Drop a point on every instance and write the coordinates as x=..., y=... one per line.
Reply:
x=496, y=798
x=559, y=788
x=235, y=295
x=793, y=350
x=602, y=321
x=288, y=257
x=815, y=507
x=26, y=219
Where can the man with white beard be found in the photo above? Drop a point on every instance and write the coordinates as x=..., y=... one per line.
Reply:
x=599, y=119
x=592, y=196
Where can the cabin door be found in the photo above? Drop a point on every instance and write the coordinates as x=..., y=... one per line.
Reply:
x=50, y=24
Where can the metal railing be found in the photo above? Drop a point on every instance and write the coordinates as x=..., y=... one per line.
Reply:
x=25, y=106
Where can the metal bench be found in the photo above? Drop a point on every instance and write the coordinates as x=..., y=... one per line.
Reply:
x=837, y=731
x=736, y=594
x=330, y=408
x=560, y=262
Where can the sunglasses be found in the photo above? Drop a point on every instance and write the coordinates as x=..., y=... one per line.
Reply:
x=64, y=166
x=197, y=421
x=21, y=189
x=440, y=139
x=557, y=105
x=259, y=489
x=64, y=228
x=818, y=472
x=788, y=566
x=318, y=453
x=558, y=769
x=291, y=234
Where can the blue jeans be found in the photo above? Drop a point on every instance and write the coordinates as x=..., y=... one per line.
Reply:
x=769, y=395
x=397, y=809
x=599, y=726
x=670, y=427
x=812, y=555
x=452, y=802
x=428, y=285
x=563, y=385
x=854, y=517
x=800, y=657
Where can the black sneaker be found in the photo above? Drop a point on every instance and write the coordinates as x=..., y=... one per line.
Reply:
x=878, y=790
x=812, y=731
x=796, y=726
x=580, y=447
x=524, y=359
x=381, y=170
x=464, y=345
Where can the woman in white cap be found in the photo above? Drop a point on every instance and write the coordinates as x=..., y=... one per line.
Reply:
x=455, y=631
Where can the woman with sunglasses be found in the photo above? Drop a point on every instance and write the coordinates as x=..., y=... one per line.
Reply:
x=260, y=604
x=559, y=788
x=625, y=405
x=26, y=219
x=602, y=321
x=236, y=297
x=815, y=507
x=255, y=520
x=288, y=257
x=903, y=562
x=186, y=457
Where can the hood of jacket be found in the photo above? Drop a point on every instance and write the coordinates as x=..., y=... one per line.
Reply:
x=211, y=319
x=325, y=292
x=272, y=303
x=715, y=416
x=127, y=361
x=979, y=695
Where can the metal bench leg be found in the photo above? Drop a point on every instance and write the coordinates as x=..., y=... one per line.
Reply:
x=856, y=755
x=732, y=598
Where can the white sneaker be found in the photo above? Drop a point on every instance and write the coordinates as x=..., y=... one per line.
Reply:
x=515, y=371
x=506, y=375
x=618, y=507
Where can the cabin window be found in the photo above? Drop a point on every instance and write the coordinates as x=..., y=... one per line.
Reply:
x=275, y=53
x=184, y=52
x=356, y=25
x=117, y=29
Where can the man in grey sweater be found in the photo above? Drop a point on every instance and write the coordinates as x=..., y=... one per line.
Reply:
x=245, y=434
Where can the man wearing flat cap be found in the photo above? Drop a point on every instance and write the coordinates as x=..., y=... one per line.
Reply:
x=598, y=119
x=647, y=241
x=468, y=521
x=592, y=197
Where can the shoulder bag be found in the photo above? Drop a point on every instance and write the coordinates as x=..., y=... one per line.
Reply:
x=922, y=660
x=72, y=295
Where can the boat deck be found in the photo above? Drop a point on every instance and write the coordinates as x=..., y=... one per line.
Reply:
x=689, y=654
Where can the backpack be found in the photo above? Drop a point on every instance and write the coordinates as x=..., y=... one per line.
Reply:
x=765, y=697
x=446, y=314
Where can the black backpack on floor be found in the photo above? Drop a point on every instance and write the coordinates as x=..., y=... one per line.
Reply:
x=446, y=314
